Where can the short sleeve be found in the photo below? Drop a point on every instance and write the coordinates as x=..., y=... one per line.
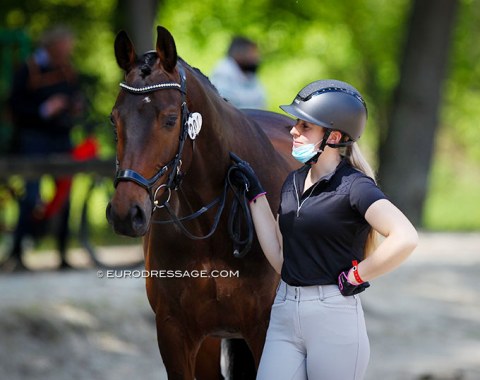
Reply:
x=363, y=193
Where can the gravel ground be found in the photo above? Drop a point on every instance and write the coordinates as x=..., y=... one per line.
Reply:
x=423, y=319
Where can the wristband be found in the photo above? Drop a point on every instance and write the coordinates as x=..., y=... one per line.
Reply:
x=254, y=200
x=355, y=272
x=347, y=288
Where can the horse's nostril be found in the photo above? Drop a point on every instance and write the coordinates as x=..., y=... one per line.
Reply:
x=132, y=221
x=137, y=218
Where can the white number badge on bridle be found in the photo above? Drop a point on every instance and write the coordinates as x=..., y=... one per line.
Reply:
x=194, y=124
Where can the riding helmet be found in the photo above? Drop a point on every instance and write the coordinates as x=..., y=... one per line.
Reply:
x=331, y=104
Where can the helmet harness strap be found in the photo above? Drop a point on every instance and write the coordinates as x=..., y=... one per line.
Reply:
x=314, y=159
x=324, y=143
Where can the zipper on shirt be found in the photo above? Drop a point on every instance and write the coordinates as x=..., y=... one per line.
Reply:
x=299, y=205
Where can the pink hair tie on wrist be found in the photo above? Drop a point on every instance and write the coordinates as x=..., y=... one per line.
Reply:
x=257, y=196
x=355, y=272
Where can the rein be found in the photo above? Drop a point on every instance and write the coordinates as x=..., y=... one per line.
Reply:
x=235, y=219
x=190, y=125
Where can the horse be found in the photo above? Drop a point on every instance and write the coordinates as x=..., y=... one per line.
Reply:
x=174, y=133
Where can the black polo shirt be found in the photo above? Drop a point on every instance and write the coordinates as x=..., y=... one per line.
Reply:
x=325, y=228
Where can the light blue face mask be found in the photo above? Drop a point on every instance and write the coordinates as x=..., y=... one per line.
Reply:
x=305, y=152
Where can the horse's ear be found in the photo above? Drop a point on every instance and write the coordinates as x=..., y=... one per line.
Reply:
x=124, y=51
x=166, y=49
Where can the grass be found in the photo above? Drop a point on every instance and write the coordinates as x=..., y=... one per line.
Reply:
x=453, y=200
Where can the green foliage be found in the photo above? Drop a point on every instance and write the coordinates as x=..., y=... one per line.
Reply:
x=454, y=201
x=462, y=90
x=301, y=41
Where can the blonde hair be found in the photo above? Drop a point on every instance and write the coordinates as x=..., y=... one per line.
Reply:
x=358, y=161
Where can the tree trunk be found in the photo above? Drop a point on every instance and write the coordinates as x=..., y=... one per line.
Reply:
x=137, y=18
x=406, y=152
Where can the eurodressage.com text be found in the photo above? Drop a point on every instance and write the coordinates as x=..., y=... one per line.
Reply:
x=116, y=273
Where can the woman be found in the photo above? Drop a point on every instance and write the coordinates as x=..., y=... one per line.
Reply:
x=329, y=212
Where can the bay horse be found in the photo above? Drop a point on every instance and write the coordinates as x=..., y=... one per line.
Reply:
x=167, y=168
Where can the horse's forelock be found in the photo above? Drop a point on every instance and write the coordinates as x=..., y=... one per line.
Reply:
x=150, y=57
x=146, y=64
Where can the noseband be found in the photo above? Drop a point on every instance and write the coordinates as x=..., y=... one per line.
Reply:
x=175, y=163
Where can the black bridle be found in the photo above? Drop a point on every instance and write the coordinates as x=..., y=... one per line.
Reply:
x=175, y=178
x=176, y=162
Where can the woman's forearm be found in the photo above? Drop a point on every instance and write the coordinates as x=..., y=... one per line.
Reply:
x=392, y=252
x=401, y=238
x=266, y=229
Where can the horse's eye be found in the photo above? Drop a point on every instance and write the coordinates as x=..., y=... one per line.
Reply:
x=170, y=121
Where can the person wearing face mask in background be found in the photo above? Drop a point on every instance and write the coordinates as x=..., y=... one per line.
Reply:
x=45, y=101
x=235, y=76
x=322, y=240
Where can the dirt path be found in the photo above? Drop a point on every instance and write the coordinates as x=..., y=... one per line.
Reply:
x=423, y=319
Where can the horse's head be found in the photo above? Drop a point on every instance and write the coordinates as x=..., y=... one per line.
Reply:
x=150, y=117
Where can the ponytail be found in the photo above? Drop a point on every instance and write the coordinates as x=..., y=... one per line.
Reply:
x=358, y=161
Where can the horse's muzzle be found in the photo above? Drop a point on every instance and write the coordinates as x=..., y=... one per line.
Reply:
x=134, y=223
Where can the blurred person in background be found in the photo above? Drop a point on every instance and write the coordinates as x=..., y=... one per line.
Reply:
x=235, y=76
x=45, y=98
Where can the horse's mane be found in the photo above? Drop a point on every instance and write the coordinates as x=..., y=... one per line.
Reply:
x=149, y=58
x=205, y=80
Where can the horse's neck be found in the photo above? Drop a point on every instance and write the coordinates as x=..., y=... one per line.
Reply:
x=224, y=129
x=202, y=167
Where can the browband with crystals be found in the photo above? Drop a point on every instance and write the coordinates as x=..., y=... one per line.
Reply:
x=151, y=88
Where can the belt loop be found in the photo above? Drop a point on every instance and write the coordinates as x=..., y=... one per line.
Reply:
x=282, y=287
x=321, y=293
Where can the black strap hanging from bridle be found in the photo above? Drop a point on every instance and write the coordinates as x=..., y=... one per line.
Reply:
x=240, y=215
x=239, y=218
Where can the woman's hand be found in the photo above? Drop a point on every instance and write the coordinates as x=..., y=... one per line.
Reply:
x=244, y=175
x=266, y=227
x=347, y=287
